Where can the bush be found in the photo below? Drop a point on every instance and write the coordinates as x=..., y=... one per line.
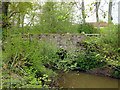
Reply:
x=20, y=55
x=87, y=28
x=90, y=58
x=108, y=45
x=78, y=59
x=111, y=37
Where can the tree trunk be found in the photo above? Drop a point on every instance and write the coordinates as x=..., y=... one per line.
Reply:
x=109, y=19
x=18, y=22
x=0, y=14
x=5, y=14
x=5, y=22
x=97, y=4
x=83, y=11
x=13, y=21
x=23, y=17
x=110, y=15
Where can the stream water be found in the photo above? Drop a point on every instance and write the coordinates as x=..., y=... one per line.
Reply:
x=83, y=80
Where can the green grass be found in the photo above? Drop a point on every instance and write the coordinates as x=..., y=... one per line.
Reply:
x=104, y=30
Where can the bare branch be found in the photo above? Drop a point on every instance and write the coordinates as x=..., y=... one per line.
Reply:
x=14, y=59
x=13, y=14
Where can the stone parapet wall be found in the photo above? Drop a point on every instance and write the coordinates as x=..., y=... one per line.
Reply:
x=66, y=41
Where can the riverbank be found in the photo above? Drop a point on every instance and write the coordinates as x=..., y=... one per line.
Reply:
x=106, y=71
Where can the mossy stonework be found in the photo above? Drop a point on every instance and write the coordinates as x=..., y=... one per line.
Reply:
x=66, y=41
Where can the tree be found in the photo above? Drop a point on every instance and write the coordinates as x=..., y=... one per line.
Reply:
x=56, y=17
x=5, y=6
x=5, y=22
x=109, y=18
x=81, y=7
x=48, y=17
x=97, y=4
x=83, y=11
x=18, y=10
x=110, y=15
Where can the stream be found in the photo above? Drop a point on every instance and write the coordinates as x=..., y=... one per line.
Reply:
x=74, y=79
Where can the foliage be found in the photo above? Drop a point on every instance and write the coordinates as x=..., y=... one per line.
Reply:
x=78, y=59
x=90, y=58
x=20, y=55
x=87, y=28
x=48, y=17
x=108, y=46
x=54, y=18
x=101, y=21
x=29, y=63
x=62, y=53
x=63, y=60
x=116, y=74
x=111, y=37
x=26, y=81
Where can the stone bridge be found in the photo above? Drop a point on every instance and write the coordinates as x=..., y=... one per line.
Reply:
x=66, y=41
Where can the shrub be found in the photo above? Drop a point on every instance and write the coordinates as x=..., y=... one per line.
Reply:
x=111, y=37
x=78, y=58
x=19, y=55
x=90, y=58
x=87, y=28
x=108, y=46
x=62, y=53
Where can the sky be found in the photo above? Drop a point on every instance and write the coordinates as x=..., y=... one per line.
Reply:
x=92, y=18
x=105, y=8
